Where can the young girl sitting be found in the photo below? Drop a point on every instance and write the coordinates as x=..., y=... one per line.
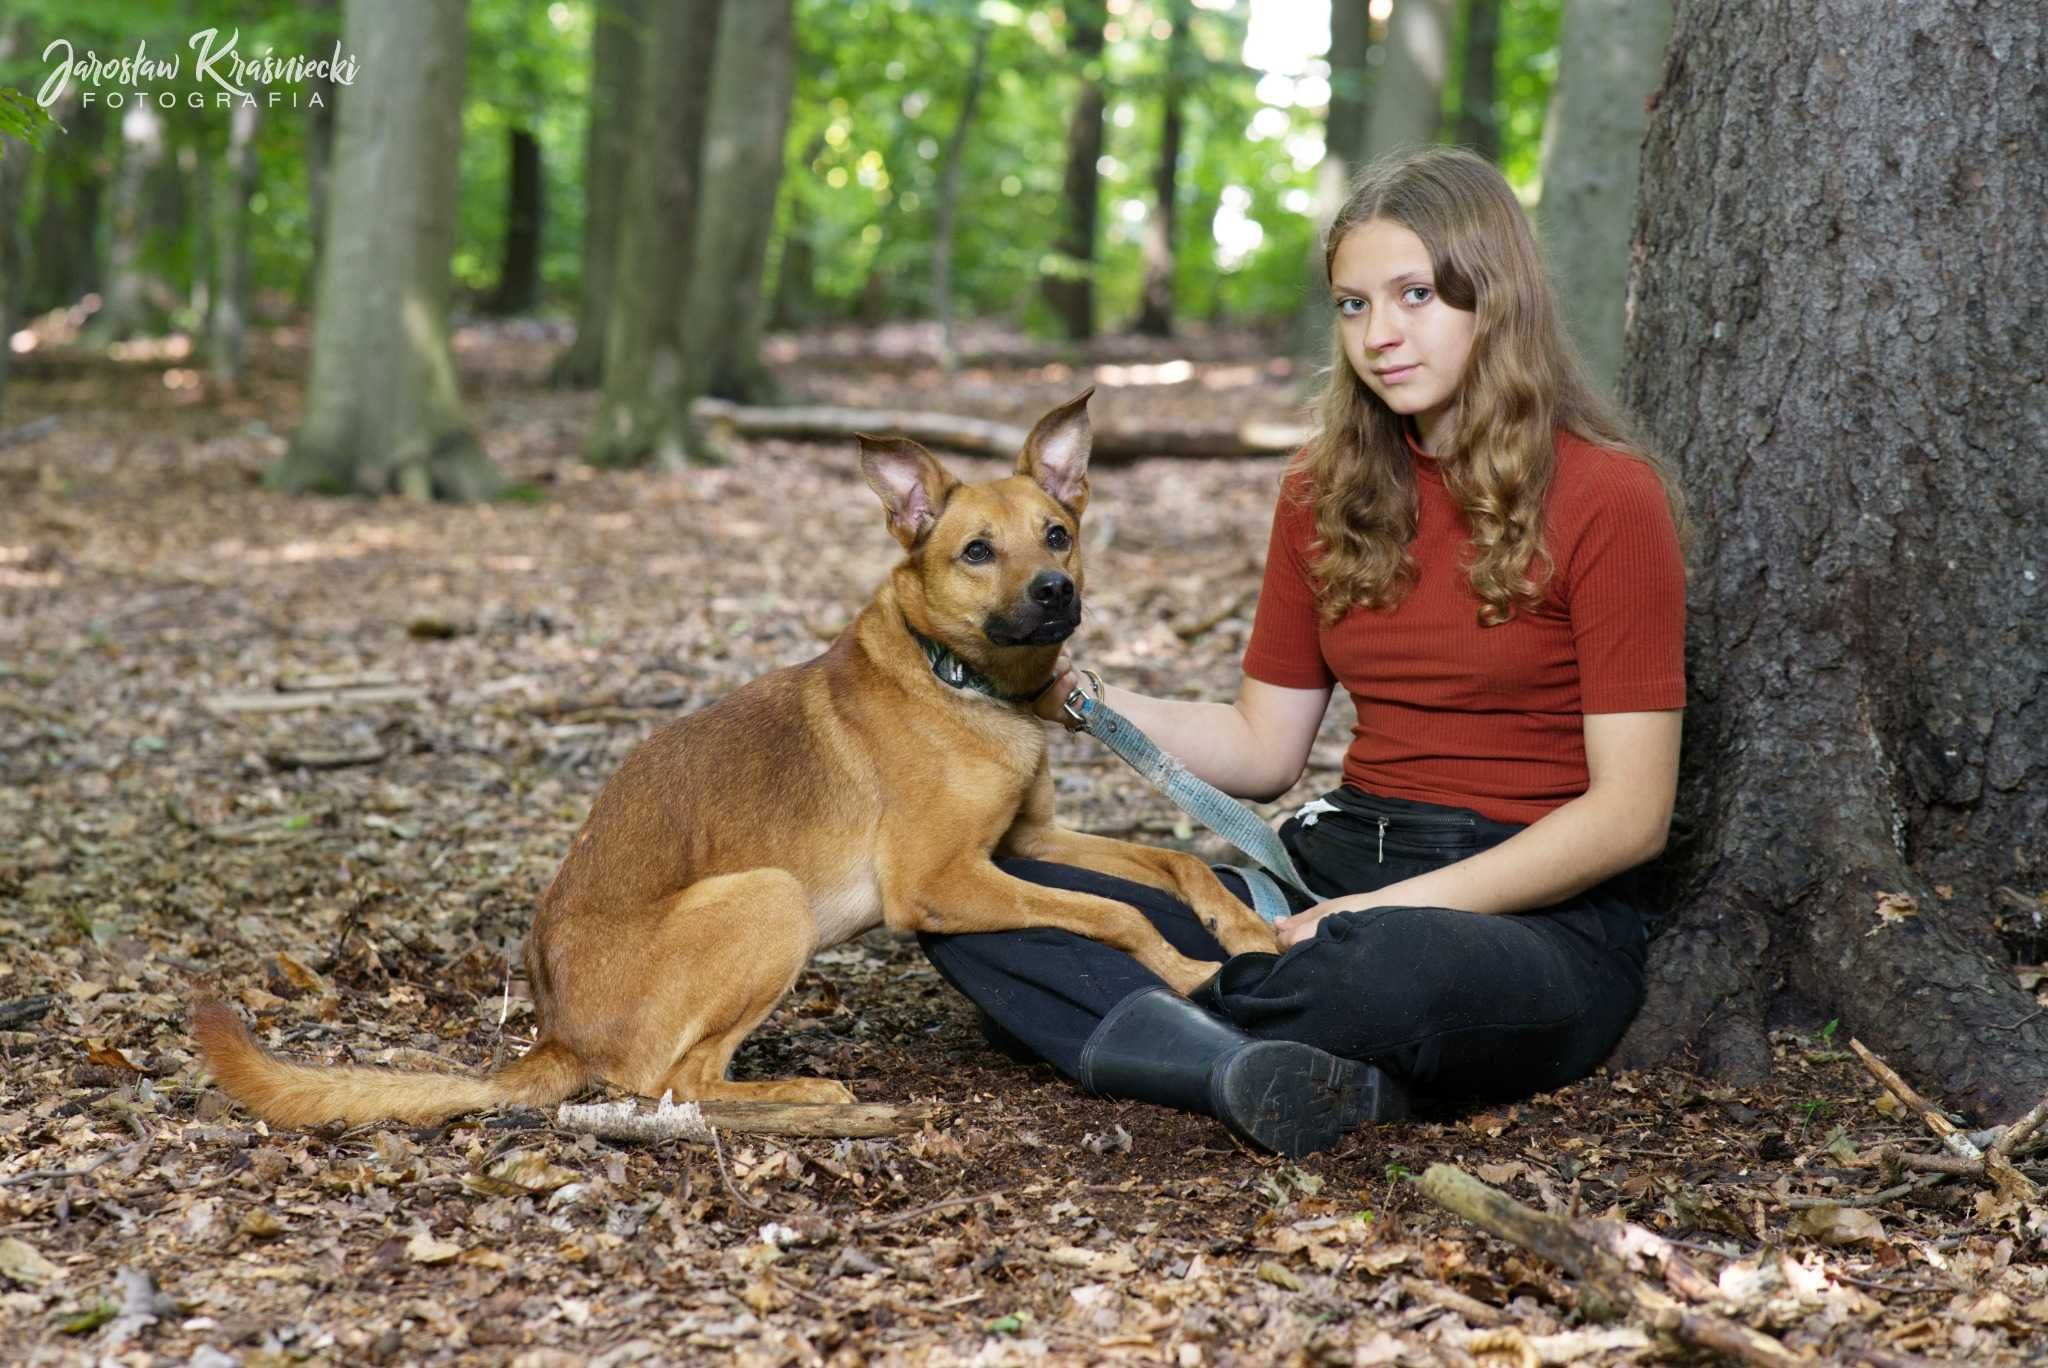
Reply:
x=1474, y=548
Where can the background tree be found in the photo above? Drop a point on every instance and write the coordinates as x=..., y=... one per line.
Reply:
x=949, y=198
x=1408, y=99
x=1477, y=50
x=621, y=33
x=382, y=413
x=1343, y=154
x=1155, y=312
x=227, y=328
x=518, y=290
x=744, y=127
x=1838, y=334
x=1609, y=58
x=643, y=415
x=1069, y=282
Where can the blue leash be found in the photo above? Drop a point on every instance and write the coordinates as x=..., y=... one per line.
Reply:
x=1199, y=799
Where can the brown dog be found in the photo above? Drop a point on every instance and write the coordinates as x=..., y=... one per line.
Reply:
x=864, y=787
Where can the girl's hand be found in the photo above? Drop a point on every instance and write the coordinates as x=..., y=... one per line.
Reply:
x=1051, y=703
x=1302, y=925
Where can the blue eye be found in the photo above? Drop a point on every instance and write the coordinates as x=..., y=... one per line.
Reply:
x=1350, y=306
x=1423, y=290
x=977, y=552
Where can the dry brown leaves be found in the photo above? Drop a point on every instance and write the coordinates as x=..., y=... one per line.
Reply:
x=372, y=910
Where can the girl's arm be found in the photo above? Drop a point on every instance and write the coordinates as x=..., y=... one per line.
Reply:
x=1253, y=748
x=1620, y=821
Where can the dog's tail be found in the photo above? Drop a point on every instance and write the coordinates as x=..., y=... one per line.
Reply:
x=288, y=1094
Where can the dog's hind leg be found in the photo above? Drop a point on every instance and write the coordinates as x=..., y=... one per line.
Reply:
x=727, y=950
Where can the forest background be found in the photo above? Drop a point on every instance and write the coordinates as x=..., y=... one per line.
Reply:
x=581, y=301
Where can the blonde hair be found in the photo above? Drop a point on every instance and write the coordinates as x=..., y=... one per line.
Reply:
x=1523, y=381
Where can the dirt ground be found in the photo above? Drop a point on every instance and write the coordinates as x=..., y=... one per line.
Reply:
x=356, y=879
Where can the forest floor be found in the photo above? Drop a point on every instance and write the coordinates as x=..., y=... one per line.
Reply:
x=356, y=878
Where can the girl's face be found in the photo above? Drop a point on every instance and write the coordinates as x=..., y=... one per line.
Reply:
x=1404, y=342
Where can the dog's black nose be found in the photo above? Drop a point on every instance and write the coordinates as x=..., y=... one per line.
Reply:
x=1052, y=591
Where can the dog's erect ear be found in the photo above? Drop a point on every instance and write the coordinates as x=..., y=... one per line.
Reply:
x=909, y=481
x=1056, y=453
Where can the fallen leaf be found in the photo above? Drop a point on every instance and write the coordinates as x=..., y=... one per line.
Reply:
x=424, y=1248
x=107, y=1057
x=1838, y=1225
x=1278, y=1276
x=20, y=1262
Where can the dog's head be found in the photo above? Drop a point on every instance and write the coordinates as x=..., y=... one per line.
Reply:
x=991, y=565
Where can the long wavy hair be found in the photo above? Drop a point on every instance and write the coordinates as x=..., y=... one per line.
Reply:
x=1497, y=449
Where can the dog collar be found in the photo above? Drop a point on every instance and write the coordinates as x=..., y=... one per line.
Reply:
x=951, y=670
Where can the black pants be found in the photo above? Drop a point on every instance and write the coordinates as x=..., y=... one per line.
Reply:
x=1460, y=1004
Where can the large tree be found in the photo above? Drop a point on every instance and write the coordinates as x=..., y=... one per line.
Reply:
x=1069, y=284
x=1155, y=304
x=1839, y=334
x=1408, y=103
x=1610, y=53
x=746, y=125
x=644, y=416
x=615, y=47
x=1343, y=153
x=382, y=413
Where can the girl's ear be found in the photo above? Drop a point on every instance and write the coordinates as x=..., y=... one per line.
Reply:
x=910, y=482
x=1055, y=455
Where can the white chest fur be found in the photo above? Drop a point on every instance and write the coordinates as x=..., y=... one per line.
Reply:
x=847, y=906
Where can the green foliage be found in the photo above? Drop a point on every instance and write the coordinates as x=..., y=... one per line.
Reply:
x=21, y=118
x=879, y=90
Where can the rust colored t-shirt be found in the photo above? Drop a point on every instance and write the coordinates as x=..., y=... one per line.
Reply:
x=1490, y=718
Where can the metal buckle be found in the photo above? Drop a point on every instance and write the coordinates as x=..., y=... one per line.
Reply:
x=1071, y=706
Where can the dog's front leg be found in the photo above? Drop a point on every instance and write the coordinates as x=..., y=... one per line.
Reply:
x=971, y=895
x=1239, y=929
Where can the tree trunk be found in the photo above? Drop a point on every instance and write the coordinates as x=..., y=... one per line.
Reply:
x=229, y=325
x=1408, y=104
x=320, y=135
x=1476, y=127
x=1155, y=311
x=949, y=201
x=620, y=35
x=382, y=413
x=1837, y=333
x=13, y=176
x=518, y=290
x=1343, y=153
x=1610, y=54
x=128, y=307
x=1070, y=286
x=644, y=415
x=63, y=255
x=745, y=127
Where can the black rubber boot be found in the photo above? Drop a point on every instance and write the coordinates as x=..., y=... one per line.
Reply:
x=1280, y=1095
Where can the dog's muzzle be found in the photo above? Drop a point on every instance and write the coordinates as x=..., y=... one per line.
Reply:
x=1048, y=615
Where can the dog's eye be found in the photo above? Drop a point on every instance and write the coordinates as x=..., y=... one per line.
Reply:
x=1056, y=537
x=977, y=552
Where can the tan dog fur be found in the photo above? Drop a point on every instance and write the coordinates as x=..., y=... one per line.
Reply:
x=803, y=809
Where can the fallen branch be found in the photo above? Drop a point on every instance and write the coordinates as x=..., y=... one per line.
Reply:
x=985, y=437
x=21, y=1011
x=1995, y=1166
x=273, y=702
x=638, y=1119
x=319, y=758
x=1604, y=1277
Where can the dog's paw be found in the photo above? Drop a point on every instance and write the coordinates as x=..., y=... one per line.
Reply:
x=813, y=1090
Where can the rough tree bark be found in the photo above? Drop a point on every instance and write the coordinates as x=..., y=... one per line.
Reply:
x=1408, y=101
x=325, y=27
x=746, y=126
x=1838, y=332
x=1155, y=309
x=129, y=304
x=1610, y=53
x=1476, y=127
x=518, y=289
x=382, y=413
x=644, y=416
x=1070, y=285
x=621, y=33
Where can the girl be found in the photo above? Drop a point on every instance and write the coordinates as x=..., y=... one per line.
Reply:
x=1473, y=547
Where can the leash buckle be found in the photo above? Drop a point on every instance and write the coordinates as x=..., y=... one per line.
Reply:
x=1071, y=706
